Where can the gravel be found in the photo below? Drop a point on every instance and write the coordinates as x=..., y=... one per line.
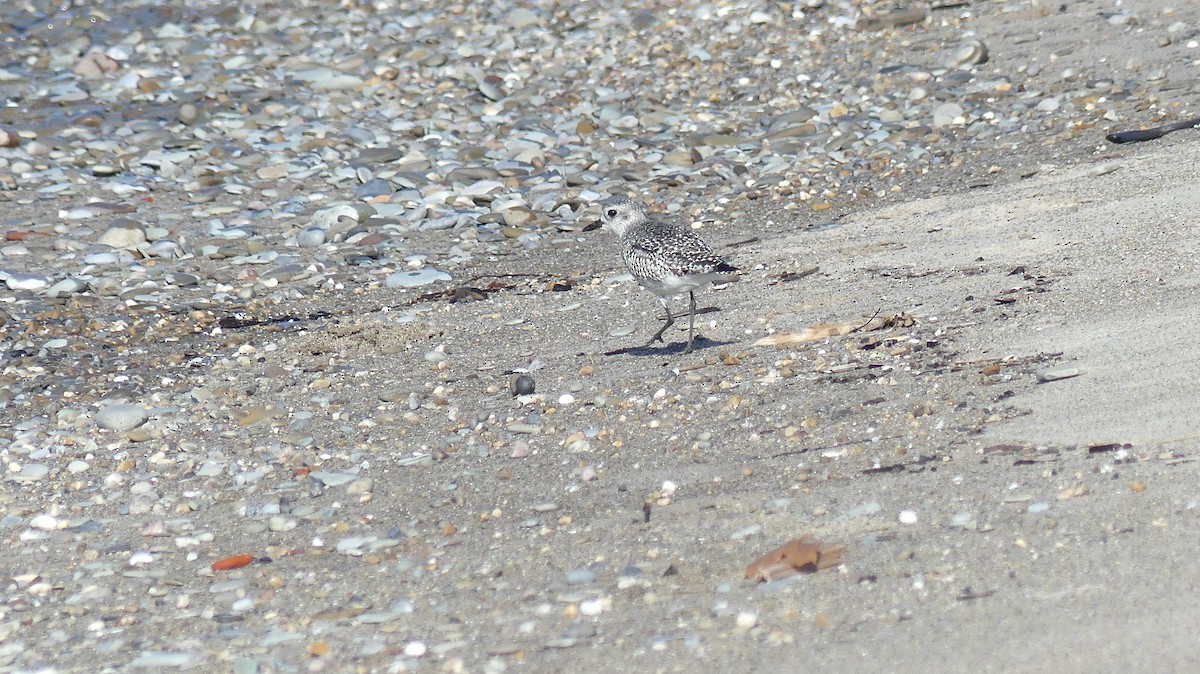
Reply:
x=280, y=280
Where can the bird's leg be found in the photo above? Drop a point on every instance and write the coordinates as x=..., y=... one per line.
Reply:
x=670, y=319
x=691, y=319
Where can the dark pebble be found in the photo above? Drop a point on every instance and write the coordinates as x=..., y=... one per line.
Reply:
x=521, y=385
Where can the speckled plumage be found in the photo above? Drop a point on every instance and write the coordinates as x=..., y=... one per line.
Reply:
x=668, y=260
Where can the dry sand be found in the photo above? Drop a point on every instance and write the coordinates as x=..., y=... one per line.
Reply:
x=1099, y=581
x=1055, y=522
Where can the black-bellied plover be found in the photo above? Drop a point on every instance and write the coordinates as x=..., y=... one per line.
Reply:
x=668, y=260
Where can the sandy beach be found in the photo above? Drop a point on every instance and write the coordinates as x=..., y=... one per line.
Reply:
x=270, y=276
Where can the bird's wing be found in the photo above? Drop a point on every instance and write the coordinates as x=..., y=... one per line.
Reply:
x=680, y=250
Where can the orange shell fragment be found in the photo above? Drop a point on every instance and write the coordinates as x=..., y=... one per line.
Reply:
x=234, y=562
x=798, y=556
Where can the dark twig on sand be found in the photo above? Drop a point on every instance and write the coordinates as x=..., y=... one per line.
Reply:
x=1151, y=134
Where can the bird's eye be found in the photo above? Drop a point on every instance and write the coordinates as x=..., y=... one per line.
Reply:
x=612, y=213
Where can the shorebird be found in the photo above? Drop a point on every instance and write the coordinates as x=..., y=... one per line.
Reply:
x=668, y=260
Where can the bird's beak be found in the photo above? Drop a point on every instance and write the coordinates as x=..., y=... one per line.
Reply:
x=595, y=224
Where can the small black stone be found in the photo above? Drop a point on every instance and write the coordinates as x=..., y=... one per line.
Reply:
x=521, y=385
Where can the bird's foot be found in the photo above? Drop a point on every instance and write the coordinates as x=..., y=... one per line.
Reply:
x=658, y=337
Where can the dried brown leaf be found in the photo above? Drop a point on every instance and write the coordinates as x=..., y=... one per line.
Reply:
x=896, y=321
x=821, y=331
x=798, y=556
x=234, y=562
x=1072, y=492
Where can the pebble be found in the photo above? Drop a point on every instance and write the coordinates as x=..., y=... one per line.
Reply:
x=123, y=233
x=964, y=520
x=311, y=237
x=188, y=113
x=121, y=417
x=412, y=279
x=580, y=577
x=864, y=510
x=103, y=258
x=331, y=479
x=947, y=114
x=1103, y=168
x=1056, y=373
x=362, y=485
x=24, y=280
x=591, y=607
x=745, y=532
x=1048, y=104
x=521, y=385
x=523, y=18
x=969, y=53
x=67, y=286
x=415, y=649
x=746, y=620
x=44, y=522
x=278, y=523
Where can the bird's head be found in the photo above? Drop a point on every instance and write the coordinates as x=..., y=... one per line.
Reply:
x=618, y=214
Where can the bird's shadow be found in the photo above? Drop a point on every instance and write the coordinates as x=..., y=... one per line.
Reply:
x=700, y=343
